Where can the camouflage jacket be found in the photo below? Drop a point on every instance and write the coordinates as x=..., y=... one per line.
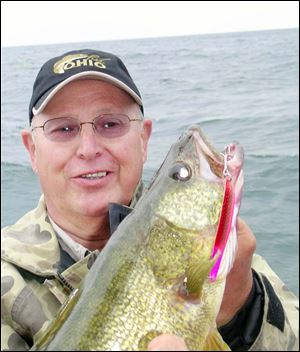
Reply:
x=37, y=277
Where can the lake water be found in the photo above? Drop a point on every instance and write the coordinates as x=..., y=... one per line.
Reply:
x=237, y=86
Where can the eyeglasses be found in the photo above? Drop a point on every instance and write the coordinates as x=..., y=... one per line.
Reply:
x=65, y=129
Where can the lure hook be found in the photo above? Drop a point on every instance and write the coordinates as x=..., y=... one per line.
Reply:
x=226, y=156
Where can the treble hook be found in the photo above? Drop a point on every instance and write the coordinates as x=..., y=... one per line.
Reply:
x=226, y=156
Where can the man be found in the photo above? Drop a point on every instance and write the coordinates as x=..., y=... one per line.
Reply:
x=87, y=145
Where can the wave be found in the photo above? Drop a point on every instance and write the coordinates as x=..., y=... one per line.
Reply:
x=273, y=156
x=7, y=165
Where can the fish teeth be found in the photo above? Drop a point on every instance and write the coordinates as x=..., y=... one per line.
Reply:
x=95, y=175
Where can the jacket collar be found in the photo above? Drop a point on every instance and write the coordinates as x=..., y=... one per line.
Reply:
x=31, y=243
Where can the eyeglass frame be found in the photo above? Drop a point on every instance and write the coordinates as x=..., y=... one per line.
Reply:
x=83, y=123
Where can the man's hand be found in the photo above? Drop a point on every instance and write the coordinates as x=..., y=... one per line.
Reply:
x=167, y=342
x=239, y=280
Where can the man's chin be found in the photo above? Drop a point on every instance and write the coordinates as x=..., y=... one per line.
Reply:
x=98, y=204
x=93, y=211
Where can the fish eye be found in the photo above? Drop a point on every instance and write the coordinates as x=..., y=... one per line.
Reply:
x=180, y=172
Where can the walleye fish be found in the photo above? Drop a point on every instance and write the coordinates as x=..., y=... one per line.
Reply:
x=164, y=268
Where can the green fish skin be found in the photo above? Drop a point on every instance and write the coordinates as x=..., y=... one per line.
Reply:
x=152, y=277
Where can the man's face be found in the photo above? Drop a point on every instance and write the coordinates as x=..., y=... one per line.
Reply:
x=61, y=165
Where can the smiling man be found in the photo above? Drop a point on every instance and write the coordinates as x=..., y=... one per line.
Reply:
x=87, y=144
x=88, y=148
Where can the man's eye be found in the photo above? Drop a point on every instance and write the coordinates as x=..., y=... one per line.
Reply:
x=64, y=129
x=110, y=124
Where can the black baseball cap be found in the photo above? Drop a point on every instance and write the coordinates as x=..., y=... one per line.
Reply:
x=79, y=64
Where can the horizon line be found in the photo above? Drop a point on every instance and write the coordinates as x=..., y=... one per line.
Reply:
x=150, y=37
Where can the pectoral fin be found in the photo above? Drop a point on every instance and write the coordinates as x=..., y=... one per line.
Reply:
x=197, y=273
x=215, y=342
x=200, y=265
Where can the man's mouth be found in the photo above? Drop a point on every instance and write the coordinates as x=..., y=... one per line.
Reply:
x=94, y=175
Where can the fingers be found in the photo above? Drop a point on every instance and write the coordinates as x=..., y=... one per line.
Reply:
x=239, y=280
x=167, y=342
x=246, y=239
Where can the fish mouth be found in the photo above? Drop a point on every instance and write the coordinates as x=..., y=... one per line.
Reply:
x=203, y=145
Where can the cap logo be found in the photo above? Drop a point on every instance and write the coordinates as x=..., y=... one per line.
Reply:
x=76, y=60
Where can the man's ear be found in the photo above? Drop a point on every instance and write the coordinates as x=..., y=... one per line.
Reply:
x=30, y=146
x=146, y=133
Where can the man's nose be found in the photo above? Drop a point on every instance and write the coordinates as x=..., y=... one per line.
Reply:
x=90, y=144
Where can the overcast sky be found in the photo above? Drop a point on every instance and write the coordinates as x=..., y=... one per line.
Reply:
x=47, y=22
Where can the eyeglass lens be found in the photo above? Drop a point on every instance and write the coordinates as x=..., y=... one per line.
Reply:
x=67, y=128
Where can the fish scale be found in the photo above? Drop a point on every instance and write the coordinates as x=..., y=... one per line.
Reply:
x=135, y=307
x=196, y=197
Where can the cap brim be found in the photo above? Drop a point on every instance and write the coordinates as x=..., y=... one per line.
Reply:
x=44, y=100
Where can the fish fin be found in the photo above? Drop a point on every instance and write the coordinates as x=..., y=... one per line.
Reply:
x=57, y=322
x=215, y=342
x=198, y=269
